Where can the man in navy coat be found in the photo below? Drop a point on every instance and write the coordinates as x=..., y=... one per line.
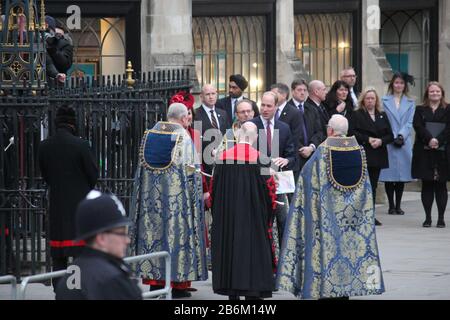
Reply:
x=276, y=142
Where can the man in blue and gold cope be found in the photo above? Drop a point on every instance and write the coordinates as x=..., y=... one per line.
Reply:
x=329, y=249
x=167, y=205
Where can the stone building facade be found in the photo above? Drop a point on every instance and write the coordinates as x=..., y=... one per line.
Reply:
x=266, y=40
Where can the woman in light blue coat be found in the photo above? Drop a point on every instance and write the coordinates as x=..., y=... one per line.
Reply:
x=400, y=109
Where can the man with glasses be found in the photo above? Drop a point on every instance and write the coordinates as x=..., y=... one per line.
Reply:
x=236, y=87
x=349, y=76
x=244, y=112
x=100, y=273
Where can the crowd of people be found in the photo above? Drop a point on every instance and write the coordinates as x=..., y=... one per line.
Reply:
x=206, y=189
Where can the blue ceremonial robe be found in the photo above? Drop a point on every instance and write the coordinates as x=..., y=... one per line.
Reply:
x=167, y=206
x=329, y=248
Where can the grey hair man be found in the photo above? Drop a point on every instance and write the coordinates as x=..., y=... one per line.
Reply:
x=337, y=126
x=178, y=113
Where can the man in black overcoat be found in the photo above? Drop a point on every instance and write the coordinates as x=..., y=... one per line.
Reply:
x=70, y=172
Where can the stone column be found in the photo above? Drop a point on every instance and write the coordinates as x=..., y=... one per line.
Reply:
x=166, y=34
x=444, y=43
x=288, y=65
x=376, y=69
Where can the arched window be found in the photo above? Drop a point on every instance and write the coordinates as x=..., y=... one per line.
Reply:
x=229, y=45
x=323, y=42
x=405, y=38
x=99, y=47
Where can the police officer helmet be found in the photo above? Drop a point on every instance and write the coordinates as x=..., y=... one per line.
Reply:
x=97, y=213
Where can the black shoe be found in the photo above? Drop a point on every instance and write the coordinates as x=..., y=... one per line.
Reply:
x=426, y=224
x=440, y=224
x=191, y=289
x=154, y=288
x=378, y=223
x=400, y=212
x=178, y=294
x=392, y=211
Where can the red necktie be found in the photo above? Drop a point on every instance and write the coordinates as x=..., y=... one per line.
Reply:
x=269, y=139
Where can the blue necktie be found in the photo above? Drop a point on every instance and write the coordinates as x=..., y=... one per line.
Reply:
x=277, y=115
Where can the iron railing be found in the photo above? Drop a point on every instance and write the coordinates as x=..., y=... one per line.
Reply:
x=112, y=112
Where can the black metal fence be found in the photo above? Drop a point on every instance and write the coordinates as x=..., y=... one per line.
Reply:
x=112, y=115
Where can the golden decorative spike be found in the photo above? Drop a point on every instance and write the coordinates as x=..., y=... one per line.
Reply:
x=30, y=16
x=129, y=70
x=42, y=16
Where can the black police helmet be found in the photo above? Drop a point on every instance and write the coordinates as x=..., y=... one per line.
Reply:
x=97, y=213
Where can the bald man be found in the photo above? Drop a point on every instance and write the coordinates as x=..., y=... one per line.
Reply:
x=241, y=253
x=317, y=93
x=213, y=124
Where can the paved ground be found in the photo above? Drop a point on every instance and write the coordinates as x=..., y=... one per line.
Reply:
x=415, y=260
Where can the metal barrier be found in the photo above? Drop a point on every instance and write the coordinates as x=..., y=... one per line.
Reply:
x=13, y=281
x=38, y=278
x=167, y=291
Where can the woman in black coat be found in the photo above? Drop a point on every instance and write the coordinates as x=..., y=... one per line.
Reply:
x=373, y=131
x=338, y=100
x=429, y=153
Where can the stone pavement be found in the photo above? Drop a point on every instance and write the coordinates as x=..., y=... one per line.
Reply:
x=415, y=260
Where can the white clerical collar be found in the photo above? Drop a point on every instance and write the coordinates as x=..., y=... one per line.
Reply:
x=244, y=142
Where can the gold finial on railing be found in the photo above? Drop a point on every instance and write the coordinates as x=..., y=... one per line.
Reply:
x=129, y=70
x=30, y=16
x=42, y=16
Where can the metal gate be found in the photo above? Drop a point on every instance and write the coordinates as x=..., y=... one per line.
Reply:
x=112, y=112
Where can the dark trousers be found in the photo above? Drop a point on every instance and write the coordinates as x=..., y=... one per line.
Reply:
x=397, y=188
x=431, y=190
x=281, y=213
x=374, y=175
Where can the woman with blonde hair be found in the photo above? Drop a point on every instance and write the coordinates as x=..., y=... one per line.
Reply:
x=372, y=129
x=399, y=108
x=430, y=160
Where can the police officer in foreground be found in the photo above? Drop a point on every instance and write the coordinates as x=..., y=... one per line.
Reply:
x=102, y=224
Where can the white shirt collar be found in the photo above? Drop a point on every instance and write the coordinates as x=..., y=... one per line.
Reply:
x=272, y=121
x=297, y=103
x=208, y=109
x=281, y=107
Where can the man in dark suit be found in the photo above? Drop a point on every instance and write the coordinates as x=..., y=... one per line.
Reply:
x=275, y=142
x=348, y=75
x=70, y=172
x=236, y=87
x=317, y=94
x=310, y=129
x=213, y=125
x=290, y=115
